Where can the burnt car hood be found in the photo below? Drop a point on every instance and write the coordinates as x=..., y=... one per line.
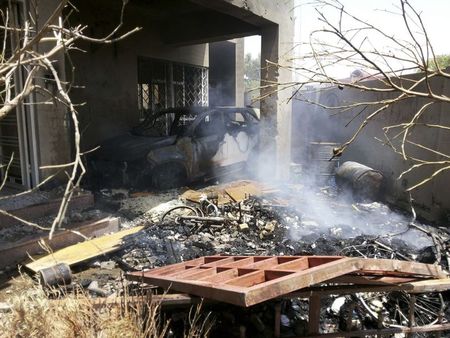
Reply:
x=130, y=147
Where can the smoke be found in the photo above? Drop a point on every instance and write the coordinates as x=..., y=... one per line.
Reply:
x=324, y=209
x=222, y=93
x=325, y=212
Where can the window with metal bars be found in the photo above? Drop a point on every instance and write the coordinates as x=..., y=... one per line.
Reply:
x=163, y=84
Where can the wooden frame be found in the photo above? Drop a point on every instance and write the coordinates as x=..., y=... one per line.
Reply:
x=249, y=280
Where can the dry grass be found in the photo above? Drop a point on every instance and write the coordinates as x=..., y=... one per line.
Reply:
x=34, y=315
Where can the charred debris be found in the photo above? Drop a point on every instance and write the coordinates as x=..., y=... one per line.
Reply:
x=251, y=219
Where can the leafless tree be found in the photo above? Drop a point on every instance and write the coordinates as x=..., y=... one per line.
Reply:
x=26, y=56
x=396, y=66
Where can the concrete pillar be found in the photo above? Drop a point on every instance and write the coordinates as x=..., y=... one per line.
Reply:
x=240, y=72
x=276, y=109
x=54, y=141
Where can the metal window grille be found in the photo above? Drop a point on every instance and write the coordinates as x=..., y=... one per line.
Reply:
x=196, y=86
x=152, y=86
x=164, y=84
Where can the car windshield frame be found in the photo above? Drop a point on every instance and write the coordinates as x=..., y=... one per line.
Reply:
x=148, y=124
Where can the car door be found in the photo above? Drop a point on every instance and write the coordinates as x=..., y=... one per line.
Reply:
x=240, y=136
x=207, y=136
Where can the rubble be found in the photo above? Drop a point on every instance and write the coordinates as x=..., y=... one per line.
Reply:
x=259, y=226
x=316, y=222
x=282, y=221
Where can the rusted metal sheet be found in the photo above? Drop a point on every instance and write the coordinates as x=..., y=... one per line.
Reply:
x=249, y=280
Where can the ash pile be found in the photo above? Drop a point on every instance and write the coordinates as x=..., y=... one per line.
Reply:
x=286, y=220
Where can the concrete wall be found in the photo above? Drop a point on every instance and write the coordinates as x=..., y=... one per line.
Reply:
x=314, y=124
x=222, y=73
x=109, y=73
x=226, y=73
x=52, y=120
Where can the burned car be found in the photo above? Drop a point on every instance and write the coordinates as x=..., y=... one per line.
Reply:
x=178, y=145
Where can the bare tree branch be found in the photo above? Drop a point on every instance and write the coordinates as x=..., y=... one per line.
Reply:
x=393, y=70
x=25, y=57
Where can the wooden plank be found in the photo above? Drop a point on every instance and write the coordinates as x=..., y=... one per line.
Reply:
x=164, y=300
x=394, y=267
x=296, y=264
x=225, y=293
x=243, y=191
x=223, y=276
x=240, y=263
x=193, y=274
x=177, y=267
x=18, y=252
x=195, y=196
x=432, y=285
x=364, y=280
x=275, y=274
x=319, y=260
x=248, y=279
x=225, y=261
x=264, y=264
x=34, y=211
x=232, y=192
x=277, y=318
x=192, y=196
x=314, y=315
x=84, y=251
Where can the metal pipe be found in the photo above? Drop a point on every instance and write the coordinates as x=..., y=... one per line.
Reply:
x=202, y=219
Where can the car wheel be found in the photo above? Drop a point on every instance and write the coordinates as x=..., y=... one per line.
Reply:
x=169, y=176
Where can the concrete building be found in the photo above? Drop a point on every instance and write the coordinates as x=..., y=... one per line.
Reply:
x=183, y=55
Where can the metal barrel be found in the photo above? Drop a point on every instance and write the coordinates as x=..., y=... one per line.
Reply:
x=364, y=181
x=57, y=275
x=321, y=165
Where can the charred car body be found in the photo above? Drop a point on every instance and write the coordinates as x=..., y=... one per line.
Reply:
x=178, y=145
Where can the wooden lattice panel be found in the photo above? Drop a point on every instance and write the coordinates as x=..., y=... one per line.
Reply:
x=249, y=280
